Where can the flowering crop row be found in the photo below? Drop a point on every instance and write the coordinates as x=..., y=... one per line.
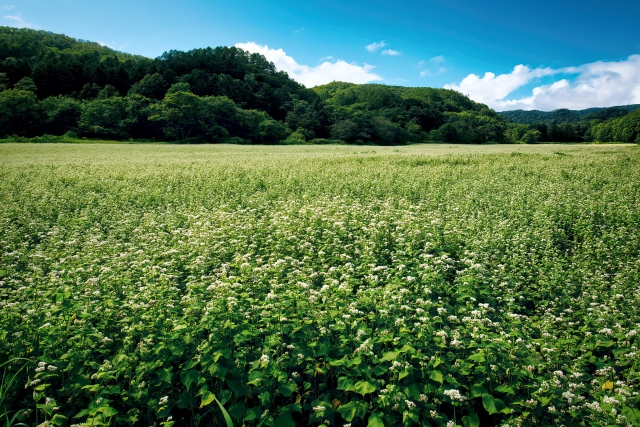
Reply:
x=141, y=284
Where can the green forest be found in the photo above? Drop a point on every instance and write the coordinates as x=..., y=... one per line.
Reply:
x=53, y=86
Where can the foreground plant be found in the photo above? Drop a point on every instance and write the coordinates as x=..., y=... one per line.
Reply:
x=354, y=290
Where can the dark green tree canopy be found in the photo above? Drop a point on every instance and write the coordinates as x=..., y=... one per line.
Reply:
x=152, y=86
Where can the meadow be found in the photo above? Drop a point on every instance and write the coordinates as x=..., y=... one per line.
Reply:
x=432, y=285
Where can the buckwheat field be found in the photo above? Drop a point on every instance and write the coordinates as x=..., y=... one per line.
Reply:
x=327, y=285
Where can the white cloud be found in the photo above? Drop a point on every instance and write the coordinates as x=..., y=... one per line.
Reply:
x=597, y=84
x=437, y=59
x=7, y=7
x=425, y=73
x=390, y=52
x=375, y=46
x=323, y=73
x=17, y=20
x=298, y=31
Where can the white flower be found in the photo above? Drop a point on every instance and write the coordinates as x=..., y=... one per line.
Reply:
x=611, y=400
x=455, y=395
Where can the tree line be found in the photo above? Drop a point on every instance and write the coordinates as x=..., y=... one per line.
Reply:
x=613, y=124
x=51, y=84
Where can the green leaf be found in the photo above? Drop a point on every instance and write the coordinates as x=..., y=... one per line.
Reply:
x=165, y=375
x=505, y=389
x=236, y=386
x=184, y=401
x=345, y=384
x=471, y=421
x=364, y=387
x=253, y=413
x=264, y=397
x=632, y=415
x=285, y=420
x=189, y=377
x=207, y=398
x=225, y=414
x=380, y=370
x=58, y=420
x=436, y=376
x=237, y=410
x=287, y=389
x=478, y=357
x=348, y=410
x=375, y=420
x=477, y=390
x=107, y=411
x=408, y=349
x=491, y=404
x=389, y=356
x=322, y=350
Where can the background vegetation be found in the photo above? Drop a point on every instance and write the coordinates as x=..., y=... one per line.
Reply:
x=53, y=85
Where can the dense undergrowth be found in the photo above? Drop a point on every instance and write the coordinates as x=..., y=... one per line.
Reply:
x=323, y=286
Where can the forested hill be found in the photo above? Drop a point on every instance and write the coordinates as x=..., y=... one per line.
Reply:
x=567, y=116
x=54, y=85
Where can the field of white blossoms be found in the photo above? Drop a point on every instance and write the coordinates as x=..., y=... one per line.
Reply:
x=343, y=286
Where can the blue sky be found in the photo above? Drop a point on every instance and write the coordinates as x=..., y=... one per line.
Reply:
x=575, y=53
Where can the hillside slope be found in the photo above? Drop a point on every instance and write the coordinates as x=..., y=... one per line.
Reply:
x=52, y=84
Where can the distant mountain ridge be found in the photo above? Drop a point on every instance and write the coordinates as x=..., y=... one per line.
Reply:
x=563, y=115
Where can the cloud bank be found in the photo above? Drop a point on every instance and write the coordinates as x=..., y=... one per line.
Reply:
x=326, y=72
x=598, y=84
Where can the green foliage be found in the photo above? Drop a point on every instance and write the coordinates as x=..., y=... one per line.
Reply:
x=151, y=86
x=4, y=81
x=116, y=117
x=26, y=83
x=185, y=115
x=614, y=124
x=534, y=117
x=268, y=105
x=217, y=285
x=623, y=129
x=18, y=112
x=392, y=115
x=60, y=114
